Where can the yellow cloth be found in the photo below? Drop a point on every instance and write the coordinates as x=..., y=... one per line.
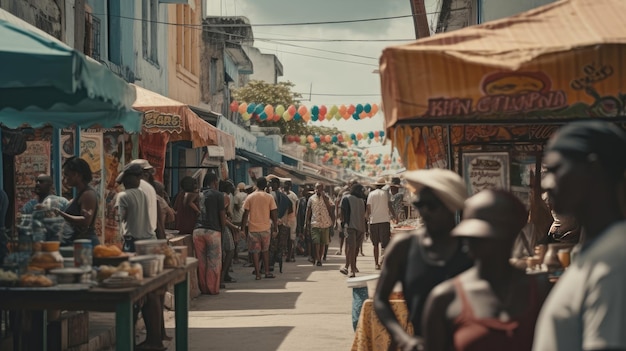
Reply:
x=370, y=334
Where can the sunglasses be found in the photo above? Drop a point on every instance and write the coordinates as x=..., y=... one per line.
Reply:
x=429, y=205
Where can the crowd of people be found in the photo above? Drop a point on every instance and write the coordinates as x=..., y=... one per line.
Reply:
x=463, y=289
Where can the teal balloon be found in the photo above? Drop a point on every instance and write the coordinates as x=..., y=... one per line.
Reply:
x=367, y=108
x=369, y=141
x=259, y=108
x=356, y=116
x=334, y=139
x=315, y=111
x=297, y=117
x=371, y=134
x=314, y=118
x=317, y=139
x=263, y=116
x=359, y=108
x=353, y=136
x=251, y=107
x=382, y=134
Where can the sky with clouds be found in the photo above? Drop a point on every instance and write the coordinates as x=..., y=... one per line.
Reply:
x=327, y=74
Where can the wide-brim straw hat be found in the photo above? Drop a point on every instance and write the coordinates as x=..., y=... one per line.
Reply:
x=380, y=181
x=447, y=185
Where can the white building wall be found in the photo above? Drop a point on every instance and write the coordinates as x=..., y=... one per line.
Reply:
x=264, y=65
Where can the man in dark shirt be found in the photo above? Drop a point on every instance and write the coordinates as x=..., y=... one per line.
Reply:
x=207, y=237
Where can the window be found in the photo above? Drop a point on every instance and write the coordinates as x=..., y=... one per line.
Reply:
x=114, y=31
x=92, y=36
x=187, y=40
x=149, y=30
x=213, y=76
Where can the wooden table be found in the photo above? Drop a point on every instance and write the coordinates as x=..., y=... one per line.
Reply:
x=370, y=334
x=99, y=299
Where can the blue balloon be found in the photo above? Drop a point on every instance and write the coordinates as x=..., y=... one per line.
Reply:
x=367, y=108
x=259, y=108
x=251, y=107
x=382, y=133
x=297, y=116
x=263, y=116
x=359, y=108
x=317, y=139
x=353, y=136
x=334, y=139
x=315, y=111
x=314, y=118
x=356, y=116
x=371, y=134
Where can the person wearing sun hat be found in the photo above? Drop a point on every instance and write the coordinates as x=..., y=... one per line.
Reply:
x=492, y=290
x=421, y=259
x=379, y=212
x=397, y=198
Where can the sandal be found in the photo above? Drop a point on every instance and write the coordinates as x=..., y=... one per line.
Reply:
x=352, y=275
x=269, y=276
x=344, y=271
x=258, y=277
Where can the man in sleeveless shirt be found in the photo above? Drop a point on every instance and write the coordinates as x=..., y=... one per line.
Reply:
x=426, y=257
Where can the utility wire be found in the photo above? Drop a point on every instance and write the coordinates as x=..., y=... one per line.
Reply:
x=322, y=50
x=245, y=25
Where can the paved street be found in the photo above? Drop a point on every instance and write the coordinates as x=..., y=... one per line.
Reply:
x=304, y=308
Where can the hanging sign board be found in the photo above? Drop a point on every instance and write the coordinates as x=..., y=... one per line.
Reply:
x=157, y=122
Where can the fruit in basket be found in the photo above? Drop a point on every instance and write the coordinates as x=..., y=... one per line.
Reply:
x=102, y=251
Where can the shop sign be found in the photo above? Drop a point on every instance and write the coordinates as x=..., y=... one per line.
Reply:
x=155, y=121
x=532, y=94
x=486, y=170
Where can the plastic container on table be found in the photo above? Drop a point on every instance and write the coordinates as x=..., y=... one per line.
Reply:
x=83, y=253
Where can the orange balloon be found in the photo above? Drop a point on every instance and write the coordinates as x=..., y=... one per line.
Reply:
x=374, y=109
x=313, y=145
x=302, y=110
x=342, y=110
x=269, y=110
x=359, y=136
x=346, y=115
x=328, y=138
x=306, y=117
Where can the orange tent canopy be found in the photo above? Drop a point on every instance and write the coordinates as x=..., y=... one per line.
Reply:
x=556, y=63
x=165, y=115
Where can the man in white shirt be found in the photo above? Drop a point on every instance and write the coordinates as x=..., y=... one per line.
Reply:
x=379, y=211
x=147, y=179
x=291, y=220
x=586, y=310
x=131, y=208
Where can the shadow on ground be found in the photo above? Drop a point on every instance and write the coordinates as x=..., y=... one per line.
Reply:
x=264, y=339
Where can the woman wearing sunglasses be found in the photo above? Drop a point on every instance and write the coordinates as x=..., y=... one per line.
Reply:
x=422, y=259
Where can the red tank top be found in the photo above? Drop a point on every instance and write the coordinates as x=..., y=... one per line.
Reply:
x=473, y=334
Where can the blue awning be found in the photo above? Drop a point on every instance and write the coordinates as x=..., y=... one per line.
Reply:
x=45, y=82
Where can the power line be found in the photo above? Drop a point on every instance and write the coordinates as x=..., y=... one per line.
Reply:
x=327, y=58
x=330, y=94
x=322, y=50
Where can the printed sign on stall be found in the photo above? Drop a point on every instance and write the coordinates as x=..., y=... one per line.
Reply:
x=486, y=170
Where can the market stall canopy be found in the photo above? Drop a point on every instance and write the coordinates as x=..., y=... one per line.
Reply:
x=165, y=115
x=553, y=64
x=45, y=82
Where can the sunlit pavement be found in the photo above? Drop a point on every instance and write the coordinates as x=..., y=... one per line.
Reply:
x=304, y=308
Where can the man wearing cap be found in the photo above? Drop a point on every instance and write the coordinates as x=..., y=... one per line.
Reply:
x=132, y=209
x=493, y=290
x=379, y=211
x=426, y=257
x=145, y=185
x=585, y=163
x=134, y=217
